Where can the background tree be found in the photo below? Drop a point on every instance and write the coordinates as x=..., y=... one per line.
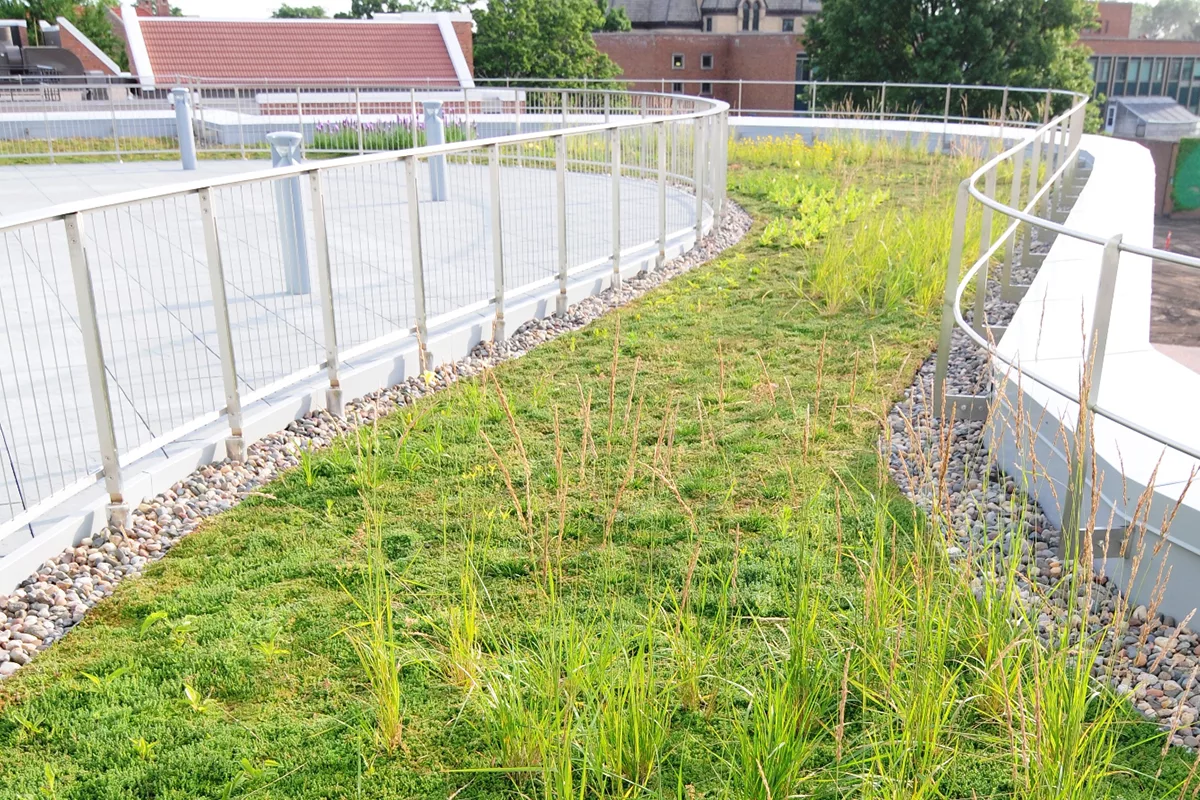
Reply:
x=298, y=12
x=366, y=9
x=543, y=39
x=1169, y=19
x=997, y=42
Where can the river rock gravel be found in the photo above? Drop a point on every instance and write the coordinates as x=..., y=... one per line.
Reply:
x=1151, y=658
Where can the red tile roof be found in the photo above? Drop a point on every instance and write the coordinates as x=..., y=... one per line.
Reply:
x=297, y=49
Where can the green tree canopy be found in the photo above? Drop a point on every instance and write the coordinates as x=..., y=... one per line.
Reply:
x=543, y=39
x=366, y=9
x=298, y=12
x=997, y=42
x=1168, y=19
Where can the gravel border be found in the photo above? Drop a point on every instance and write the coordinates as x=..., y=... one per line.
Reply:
x=1152, y=659
x=50, y=602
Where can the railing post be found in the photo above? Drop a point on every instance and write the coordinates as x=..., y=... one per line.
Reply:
x=616, y=205
x=1034, y=170
x=607, y=106
x=946, y=120
x=1079, y=452
x=235, y=445
x=418, y=269
x=985, y=241
x=358, y=117
x=333, y=395
x=560, y=170
x=739, y=96
x=698, y=147
x=498, y=331
x=812, y=104
x=953, y=267
x=1014, y=201
x=564, y=108
x=112, y=109
x=299, y=114
x=1003, y=116
x=882, y=100
x=1102, y=314
x=93, y=351
x=662, y=195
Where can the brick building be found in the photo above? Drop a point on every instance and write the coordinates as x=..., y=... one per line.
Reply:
x=711, y=64
x=1126, y=67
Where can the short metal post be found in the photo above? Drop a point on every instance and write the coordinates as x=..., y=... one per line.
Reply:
x=1079, y=452
x=93, y=352
x=112, y=109
x=812, y=105
x=607, y=106
x=662, y=195
x=560, y=201
x=882, y=99
x=468, y=128
x=435, y=134
x=183, y=127
x=235, y=445
x=985, y=241
x=358, y=117
x=564, y=108
x=698, y=146
x=739, y=96
x=289, y=206
x=414, y=227
x=498, y=332
x=953, y=267
x=1014, y=201
x=299, y=114
x=333, y=395
x=46, y=124
x=615, y=140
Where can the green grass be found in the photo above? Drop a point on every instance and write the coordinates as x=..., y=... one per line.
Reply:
x=654, y=558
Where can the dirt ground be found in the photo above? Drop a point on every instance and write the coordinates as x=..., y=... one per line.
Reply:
x=1175, y=304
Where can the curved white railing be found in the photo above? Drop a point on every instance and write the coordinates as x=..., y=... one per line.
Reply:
x=1058, y=143
x=129, y=322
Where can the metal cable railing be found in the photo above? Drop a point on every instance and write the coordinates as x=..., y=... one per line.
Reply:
x=130, y=321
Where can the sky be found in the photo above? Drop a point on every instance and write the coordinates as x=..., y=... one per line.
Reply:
x=242, y=9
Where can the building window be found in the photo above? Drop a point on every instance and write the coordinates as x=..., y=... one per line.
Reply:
x=745, y=15
x=708, y=24
x=706, y=88
x=677, y=88
x=677, y=61
x=789, y=25
x=756, y=16
x=706, y=61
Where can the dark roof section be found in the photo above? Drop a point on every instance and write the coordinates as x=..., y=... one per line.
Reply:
x=687, y=14
x=1157, y=110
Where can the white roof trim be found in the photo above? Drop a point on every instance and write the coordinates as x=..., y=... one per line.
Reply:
x=424, y=16
x=139, y=57
x=65, y=25
x=454, y=50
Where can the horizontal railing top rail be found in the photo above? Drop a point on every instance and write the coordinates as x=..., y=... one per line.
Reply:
x=640, y=116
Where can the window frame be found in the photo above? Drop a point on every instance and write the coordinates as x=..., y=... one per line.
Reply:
x=789, y=24
x=678, y=61
x=706, y=89
x=706, y=57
